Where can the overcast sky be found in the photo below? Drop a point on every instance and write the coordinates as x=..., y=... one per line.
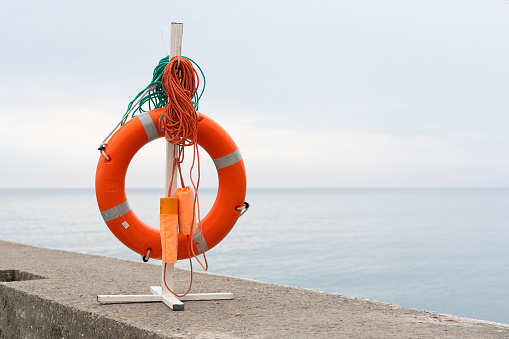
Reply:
x=354, y=93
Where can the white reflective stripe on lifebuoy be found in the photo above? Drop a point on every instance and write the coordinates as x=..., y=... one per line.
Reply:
x=116, y=212
x=197, y=238
x=149, y=126
x=228, y=160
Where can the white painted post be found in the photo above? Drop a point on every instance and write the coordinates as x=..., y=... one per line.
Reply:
x=175, y=50
x=171, y=153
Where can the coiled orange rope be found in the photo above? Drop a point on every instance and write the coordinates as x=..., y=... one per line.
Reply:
x=180, y=120
x=180, y=125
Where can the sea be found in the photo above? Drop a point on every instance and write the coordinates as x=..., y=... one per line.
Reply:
x=437, y=249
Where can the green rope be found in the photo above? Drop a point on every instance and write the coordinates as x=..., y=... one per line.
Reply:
x=155, y=97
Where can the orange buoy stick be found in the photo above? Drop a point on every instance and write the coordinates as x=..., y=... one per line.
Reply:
x=168, y=219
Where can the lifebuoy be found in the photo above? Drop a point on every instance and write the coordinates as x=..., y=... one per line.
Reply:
x=112, y=198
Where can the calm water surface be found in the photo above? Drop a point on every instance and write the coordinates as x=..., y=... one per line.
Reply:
x=444, y=250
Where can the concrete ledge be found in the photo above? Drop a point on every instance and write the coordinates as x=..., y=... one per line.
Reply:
x=53, y=294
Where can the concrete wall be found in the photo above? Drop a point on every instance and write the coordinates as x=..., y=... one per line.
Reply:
x=53, y=294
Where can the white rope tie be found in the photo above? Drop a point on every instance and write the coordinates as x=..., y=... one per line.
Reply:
x=146, y=257
x=243, y=208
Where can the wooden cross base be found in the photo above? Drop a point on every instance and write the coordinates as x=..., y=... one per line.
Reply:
x=162, y=294
x=173, y=302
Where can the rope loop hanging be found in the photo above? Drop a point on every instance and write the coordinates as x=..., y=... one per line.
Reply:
x=180, y=121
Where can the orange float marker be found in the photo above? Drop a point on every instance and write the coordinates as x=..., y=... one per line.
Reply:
x=168, y=219
x=186, y=211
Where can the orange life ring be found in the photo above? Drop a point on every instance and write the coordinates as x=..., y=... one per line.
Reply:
x=112, y=198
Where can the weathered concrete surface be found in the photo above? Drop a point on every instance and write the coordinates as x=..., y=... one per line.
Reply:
x=64, y=305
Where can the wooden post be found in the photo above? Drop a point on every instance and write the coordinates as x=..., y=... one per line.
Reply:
x=171, y=171
x=171, y=150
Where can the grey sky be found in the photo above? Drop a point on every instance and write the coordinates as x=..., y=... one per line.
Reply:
x=362, y=93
